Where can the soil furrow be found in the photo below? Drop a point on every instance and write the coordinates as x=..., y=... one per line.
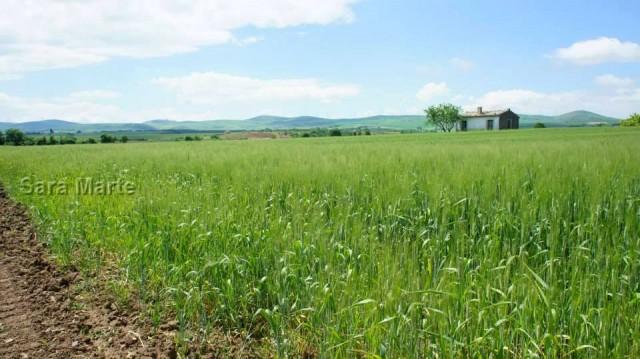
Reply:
x=36, y=318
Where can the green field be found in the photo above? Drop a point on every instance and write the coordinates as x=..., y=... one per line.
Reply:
x=506, y=244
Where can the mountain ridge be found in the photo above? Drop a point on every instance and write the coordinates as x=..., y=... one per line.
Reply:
x=391, y=122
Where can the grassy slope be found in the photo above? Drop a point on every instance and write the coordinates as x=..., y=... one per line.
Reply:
x=68, y=126
x=576, y=118
x=571, y=119
x=499, y=244
x=275, y=122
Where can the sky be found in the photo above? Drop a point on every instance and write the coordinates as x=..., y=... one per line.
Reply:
x=132, y=61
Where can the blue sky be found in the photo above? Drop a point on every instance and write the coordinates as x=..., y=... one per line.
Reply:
x=98, y=61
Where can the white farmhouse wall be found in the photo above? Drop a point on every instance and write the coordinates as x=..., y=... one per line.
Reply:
x=481, y=123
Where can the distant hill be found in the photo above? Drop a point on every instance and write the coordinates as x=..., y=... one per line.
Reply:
x=280, y=123
x=570, y=119
x=576, y=118
x=70, y=127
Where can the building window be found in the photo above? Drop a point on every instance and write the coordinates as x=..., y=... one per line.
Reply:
x=489, y=124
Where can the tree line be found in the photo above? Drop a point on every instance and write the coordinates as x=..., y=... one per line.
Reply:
x=16, y=137
x=632, y=121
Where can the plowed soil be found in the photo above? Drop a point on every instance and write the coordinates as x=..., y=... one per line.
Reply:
x=43, y=316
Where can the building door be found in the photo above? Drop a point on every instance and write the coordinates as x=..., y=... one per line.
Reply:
x=463, y=125
x=489, y=124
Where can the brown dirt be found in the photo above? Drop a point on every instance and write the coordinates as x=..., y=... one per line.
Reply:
x=253, y=135
x=42, y=314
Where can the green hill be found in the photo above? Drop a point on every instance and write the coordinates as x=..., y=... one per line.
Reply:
x=45, y=126
x=280, y=123
x=571, y=119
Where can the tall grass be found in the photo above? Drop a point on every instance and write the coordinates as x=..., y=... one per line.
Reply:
x=521, y=243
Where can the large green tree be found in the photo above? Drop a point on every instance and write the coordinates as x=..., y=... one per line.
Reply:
x=443, y=117
x=634, y=120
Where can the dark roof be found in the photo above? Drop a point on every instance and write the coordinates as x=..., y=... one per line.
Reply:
x=491, y=113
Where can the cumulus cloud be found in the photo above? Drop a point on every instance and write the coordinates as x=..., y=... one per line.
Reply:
x=216, y=88
x=247, y=40
x=85, y=106
x=612, y=102
x=600, y=50
x=199, y=96
x=93, y=95
x=92, y=106
x=524, y=100
x=614, y=81
x=462, y=64
x=49, y=34
x=432, y=90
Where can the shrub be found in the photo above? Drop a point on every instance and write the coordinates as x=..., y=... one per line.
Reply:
x=68, y=140
x=104, y=138
x=1, y=138
x=15, y=137
x=632, y=121
x=41, y=141
x=335, y=132
x=124, y=139
x=539, y=125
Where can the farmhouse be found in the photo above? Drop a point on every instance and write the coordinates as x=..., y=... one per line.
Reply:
x=488, y=120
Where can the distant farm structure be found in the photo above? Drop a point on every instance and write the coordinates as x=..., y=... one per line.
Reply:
x=488, y=120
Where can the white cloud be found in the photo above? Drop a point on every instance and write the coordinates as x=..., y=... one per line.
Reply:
x=612, y=102
x=462, y=64
x=614, y=81
x=600, y=50
x=199, y=96
x=86, y=106
x=93, y=106
x=93, y=95
x=17, y=59
x=247, y=40
x=522, y=100
x=216, y=88
x=49, y=34
x=432, y=90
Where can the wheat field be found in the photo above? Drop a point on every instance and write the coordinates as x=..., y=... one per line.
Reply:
x=507, y=244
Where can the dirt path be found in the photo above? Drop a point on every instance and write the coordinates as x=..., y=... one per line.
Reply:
x=42, y=316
